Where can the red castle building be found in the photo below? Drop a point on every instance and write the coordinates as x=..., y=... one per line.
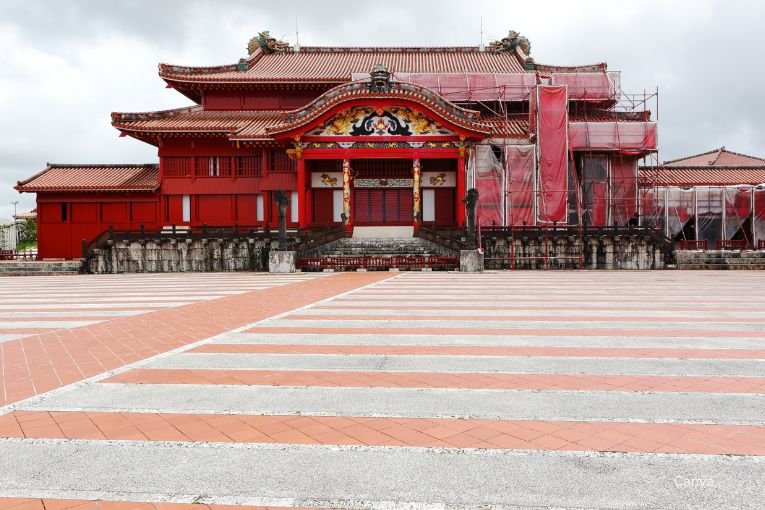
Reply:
x=363, y=136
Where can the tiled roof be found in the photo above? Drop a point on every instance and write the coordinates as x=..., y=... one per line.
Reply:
x=719, y=167
x=705, y=176
x=513, y=127
x=57, y=177
x=717, y=157
x=598, y=115
x=337, y=65
x=195, y=119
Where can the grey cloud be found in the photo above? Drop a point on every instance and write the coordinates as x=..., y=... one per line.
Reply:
x=66, y=64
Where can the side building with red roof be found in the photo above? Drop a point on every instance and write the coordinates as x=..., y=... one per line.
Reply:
x=364, y=137
x=713, y=200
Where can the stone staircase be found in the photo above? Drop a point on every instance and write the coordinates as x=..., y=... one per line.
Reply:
x=39, y=267
x=721, y=259
x=379, y=254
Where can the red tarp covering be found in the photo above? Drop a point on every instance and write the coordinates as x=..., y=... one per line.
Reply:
x=592, y=86
x=759, y=213
x=709, y=205
x=652, y=210
x=552, y=120
x=469, y=86
x=738, y=207
x=595, y=181
x=623, y=189
x=632, y=135
x=489, y=183
x=680, y=210
x=520, y=184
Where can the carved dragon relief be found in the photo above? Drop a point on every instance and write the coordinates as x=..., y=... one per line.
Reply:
x=508, y=44
x=328, y=181
x=268, y=44
x=364, y=121
x=438, y=180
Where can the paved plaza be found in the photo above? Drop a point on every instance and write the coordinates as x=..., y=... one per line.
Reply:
x=383, y=390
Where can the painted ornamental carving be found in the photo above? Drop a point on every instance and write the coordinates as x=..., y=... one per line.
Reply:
x=346, y=216
x=417, y=202
x=390, y=121
x=383, y=183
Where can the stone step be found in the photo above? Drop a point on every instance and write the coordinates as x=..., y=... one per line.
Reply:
x=39, y=268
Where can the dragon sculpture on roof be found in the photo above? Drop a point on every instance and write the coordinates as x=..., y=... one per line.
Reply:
x=268, y=44
x=508, y=44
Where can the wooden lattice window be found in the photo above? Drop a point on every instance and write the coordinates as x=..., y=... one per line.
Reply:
x=249, y=166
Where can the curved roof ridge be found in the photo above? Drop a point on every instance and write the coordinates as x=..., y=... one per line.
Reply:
x=586, y=68
x=401, y=90
x=754, y=161
x=157, y=114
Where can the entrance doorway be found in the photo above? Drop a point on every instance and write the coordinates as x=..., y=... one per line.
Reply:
x=382, y=193
x=375, y=206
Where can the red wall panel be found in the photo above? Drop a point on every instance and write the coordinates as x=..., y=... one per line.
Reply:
x=247, y=209
x=444, y=198
x=214, y=210
x=84, y=213
x=174, y=211
x=323, y=213
x=115, y=212
x=144, y=212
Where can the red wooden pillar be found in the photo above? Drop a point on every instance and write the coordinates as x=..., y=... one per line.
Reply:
x=308, y=209
x=461, y=179
x=301, y=187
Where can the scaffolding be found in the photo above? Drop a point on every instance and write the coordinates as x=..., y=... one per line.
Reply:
x=611, y=137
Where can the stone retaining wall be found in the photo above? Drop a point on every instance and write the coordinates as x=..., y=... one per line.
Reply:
x=181, y=255
x=597, y=252
x=721, y=259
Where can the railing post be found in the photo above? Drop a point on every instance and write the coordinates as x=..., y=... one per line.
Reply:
x=84, y=249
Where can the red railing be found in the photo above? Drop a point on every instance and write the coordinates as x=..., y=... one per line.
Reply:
x=761, y=244
x=693, y=244
x=378, y=263
x=732, y=244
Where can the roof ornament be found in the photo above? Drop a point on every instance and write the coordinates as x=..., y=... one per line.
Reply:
x=508, y=44
x=268, y=44
x=380, y=79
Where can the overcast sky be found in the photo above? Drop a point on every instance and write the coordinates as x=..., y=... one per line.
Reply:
x=65, y=65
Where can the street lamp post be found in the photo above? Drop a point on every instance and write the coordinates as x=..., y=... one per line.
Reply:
x=15, y=226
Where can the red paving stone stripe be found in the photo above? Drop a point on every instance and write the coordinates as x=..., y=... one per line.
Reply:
x=83, y=317
x=481, y=350
x=505, y=318
x=25, y=331
x=43, y=362
x=338, y=303
x=82, y=504
x=369, y=379
x=415, y=432
x=105, y=308
x=593, y=332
